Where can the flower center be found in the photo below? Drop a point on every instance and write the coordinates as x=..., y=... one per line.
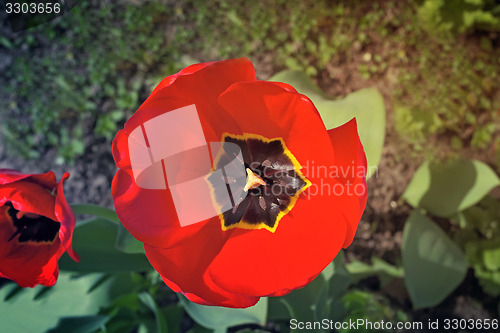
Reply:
x=267, y=189
x=32, y=227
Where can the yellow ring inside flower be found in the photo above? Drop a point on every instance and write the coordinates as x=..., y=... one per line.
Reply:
x=271, y=183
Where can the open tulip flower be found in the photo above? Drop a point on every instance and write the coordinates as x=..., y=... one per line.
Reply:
x=234, y=185
x=36, y=227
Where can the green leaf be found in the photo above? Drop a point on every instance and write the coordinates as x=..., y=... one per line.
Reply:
x=446, y=189
x=98, y=211
x=434, y=265
x=383, y=270
x=125, y=242
x=215, y=317
x=489, y=281
x=369, y=307
x=341, y=279
x=83, y=324
x=491, y=257
x=161, y=324
x=302, y=303
x=197, y=328
x=173, y=315
x=94, y=241
x=278, y=309
x=367, y=105
x=68, y=298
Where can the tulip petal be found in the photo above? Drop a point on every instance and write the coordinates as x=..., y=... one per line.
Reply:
x=350, y=160
x=47, y=179
x=235, y=267
x=65, y=216
x=28, y=257
x=28, y=264
x=185, y=266
x=139, y=208
x=28, y=197
x=260, y=263
x=265, y=108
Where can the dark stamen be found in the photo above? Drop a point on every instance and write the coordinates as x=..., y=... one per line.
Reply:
x=38, y=229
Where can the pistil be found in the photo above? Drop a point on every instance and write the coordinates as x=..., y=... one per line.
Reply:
x=253, y=181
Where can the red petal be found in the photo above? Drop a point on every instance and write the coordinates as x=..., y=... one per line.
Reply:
x=9, y=176
x=47, y=180
x=350, y=158
x=65, y=215
x=28, y=197
x=120, y=149
x=183, y=268
x=265, y=108
x=26, y=263
x=261, y=263
x=150, y=214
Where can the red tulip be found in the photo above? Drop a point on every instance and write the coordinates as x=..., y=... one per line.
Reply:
x=262, y=212
x=36, y=227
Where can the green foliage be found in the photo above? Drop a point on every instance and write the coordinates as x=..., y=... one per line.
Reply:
x=434, y=265
x=447, y=98
x=94, y=241
x=482, y=219
x=44, y=312
x=147, y=299
x=446, y=189
x=383, y=270
x=479, y=235
x=452, y=190
x=219, y=318
x=460, y=15
x=371, y=307
x=485, y=257
x=79, y=81
x=82, y=324
x=112, y=303
x=125, y=242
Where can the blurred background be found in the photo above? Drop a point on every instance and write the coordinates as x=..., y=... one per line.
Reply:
x=67, y=86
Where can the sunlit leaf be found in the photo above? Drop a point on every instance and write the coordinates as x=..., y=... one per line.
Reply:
x=367, y=105
x=68, y=298
x=369, y=307
x=489, y=280
x=491, y=257
x=216, y=317
x=383, y=270
x=94, y=241
x=446, y=189
x=434, y=265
